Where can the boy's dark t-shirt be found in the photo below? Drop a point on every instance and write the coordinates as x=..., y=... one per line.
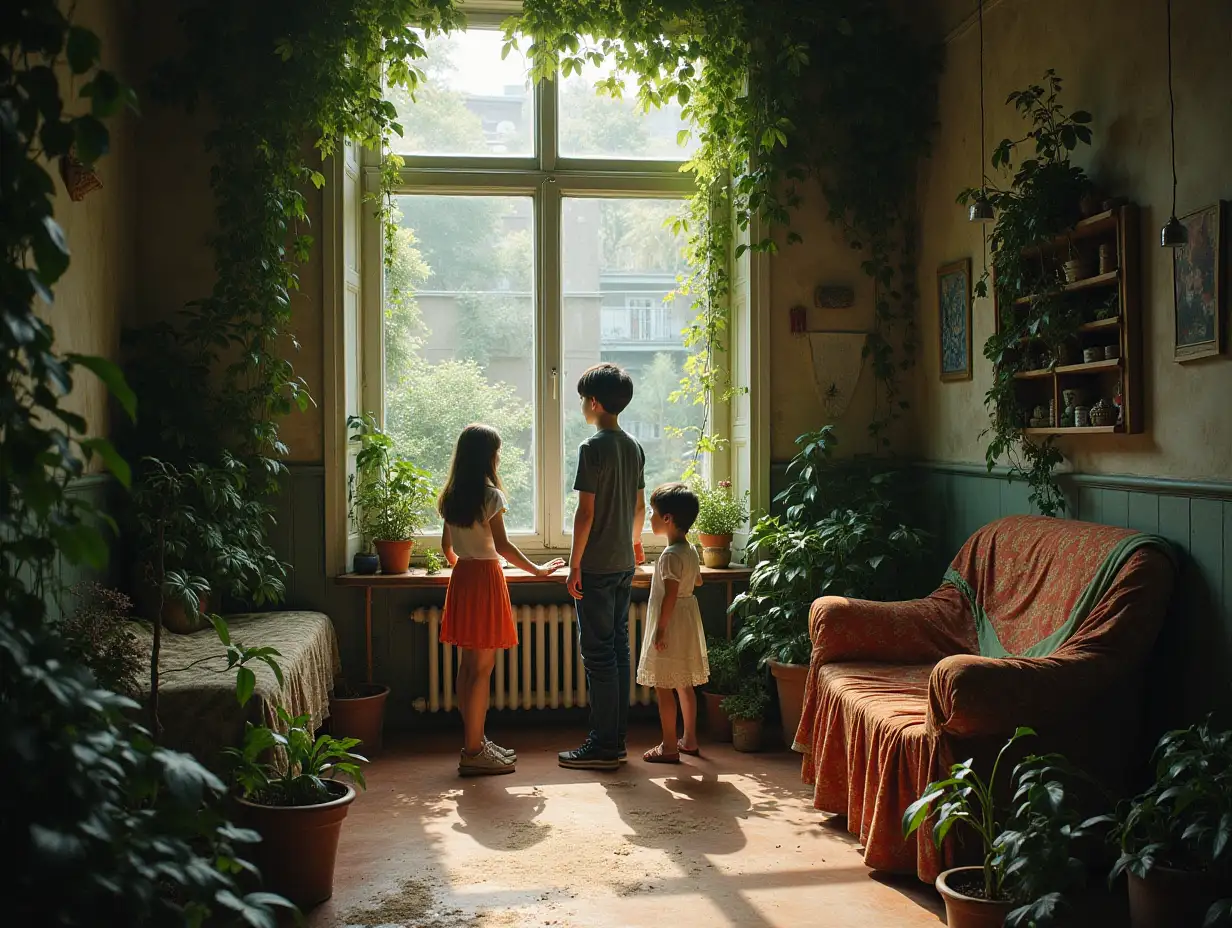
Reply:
x=611, y=466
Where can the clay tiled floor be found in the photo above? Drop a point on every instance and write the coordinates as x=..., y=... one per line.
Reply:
x=723, y=840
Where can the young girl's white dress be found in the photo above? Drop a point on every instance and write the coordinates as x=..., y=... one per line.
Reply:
x=683, y=662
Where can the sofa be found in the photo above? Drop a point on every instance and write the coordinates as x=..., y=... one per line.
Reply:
x=1040, y=622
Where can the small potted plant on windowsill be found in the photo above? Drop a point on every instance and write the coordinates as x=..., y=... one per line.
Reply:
x=298, y=810
x=391, y=499
x=746, y=710
x=1175, y=837
x=1029, y=866
x=720, y=515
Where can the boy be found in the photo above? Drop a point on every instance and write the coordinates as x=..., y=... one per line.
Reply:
x=607, y=531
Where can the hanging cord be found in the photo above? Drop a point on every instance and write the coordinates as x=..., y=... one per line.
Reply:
x=983, y=160
x=1171, y=110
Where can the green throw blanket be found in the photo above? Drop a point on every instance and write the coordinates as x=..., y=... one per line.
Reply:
x=990, y=644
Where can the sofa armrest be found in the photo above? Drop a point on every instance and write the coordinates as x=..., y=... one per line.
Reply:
x=972, y=696
x=916, y=631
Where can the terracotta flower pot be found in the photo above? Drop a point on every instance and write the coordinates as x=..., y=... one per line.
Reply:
x=746, y=735
x=790, y=680
x=716, y=549
x=963, y=911
x=717, y=720
x=361, y=716
x=1170, y=898
x=299, y=845
x=395, y=556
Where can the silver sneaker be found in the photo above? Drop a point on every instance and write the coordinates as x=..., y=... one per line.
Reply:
x=484, y=764
x=503, y=752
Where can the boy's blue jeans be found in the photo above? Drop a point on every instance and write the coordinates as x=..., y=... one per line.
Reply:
x=603, y=629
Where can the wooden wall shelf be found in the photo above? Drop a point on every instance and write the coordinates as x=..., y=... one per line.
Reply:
x=1098, y=379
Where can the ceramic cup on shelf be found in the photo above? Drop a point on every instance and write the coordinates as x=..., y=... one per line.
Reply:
x=1112, y=351
x=1073, y=397
x=1082, y=416
x=1092, y=354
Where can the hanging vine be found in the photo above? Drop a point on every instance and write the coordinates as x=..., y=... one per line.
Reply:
x=840, y=91
x=1040, y=203
x=288, y=82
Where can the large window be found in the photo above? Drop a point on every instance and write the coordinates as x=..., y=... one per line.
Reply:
x=534, y=241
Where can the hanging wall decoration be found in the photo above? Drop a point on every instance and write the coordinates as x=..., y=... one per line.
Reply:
x=1199, y=283
x=954, y=319
x=838, y=359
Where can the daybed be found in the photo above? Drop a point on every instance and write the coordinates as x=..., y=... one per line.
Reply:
x=197, y=704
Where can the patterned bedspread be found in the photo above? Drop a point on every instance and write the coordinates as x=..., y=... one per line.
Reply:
x=197, y=704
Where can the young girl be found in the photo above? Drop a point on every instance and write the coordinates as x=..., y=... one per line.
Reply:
x=674, y=651
x=478, y=618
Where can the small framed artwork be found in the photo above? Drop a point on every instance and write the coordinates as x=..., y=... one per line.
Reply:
x=954, y=319
x=1199, y=283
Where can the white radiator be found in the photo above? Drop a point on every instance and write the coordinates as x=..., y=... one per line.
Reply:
x=543, y=671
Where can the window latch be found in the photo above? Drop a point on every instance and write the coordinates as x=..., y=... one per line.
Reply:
x=555, y=375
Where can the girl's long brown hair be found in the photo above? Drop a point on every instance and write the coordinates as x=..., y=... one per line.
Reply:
x=472, y=470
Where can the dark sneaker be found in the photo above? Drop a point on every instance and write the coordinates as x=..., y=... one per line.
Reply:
x=589, y=757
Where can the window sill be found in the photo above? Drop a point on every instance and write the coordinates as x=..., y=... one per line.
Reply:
x=418, y=577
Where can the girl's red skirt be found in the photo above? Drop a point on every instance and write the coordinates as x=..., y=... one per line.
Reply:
x=477, y=610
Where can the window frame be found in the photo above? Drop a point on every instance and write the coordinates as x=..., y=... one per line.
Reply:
x=548, y=179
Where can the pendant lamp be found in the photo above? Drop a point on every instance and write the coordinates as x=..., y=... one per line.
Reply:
x=1173, y=234
x=981, y=209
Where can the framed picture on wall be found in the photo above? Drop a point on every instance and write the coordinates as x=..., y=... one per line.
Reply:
x=954, y=319
x=1199, y=283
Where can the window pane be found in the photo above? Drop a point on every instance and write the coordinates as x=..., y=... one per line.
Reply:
x=472, y=103
x=459, y=335
x=599, y=125
x=619, y=266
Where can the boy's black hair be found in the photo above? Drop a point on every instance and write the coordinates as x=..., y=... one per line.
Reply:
x=678, y=501
x=608, y=384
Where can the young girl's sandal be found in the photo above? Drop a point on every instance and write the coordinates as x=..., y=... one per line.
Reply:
x=656, y=755
x=696, y=752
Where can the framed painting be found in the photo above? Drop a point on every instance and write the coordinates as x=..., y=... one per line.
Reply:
x=954, y=319
x=1199, y=283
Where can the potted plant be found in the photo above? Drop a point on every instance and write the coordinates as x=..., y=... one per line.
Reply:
x=839, y=534
x=298, y=809
x=746, y=710
x=1028, y=861
x=391, y=499
x=1175, y=836
x=359, y=710
x=725, y=677
x=720, y=515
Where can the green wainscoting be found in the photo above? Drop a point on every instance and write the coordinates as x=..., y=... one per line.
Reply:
x=399, y=645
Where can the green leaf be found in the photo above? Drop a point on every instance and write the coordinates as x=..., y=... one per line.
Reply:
x=111, y=458
x=83, y=49
x=245, y=683
x=112, y=377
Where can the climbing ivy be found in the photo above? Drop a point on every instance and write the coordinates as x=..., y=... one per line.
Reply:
x=101, y=826
x=839, y=90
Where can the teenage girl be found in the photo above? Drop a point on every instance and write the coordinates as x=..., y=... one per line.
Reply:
x=478, y=618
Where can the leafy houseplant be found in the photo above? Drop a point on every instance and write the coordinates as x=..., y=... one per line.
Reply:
x=1040, y=203
x=298, y=809
x=839, y=534
x=1028, y=851
x=720, y=514
x=390, y=499
x=726, y=676
x=746, y=710
x=1176, y=836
